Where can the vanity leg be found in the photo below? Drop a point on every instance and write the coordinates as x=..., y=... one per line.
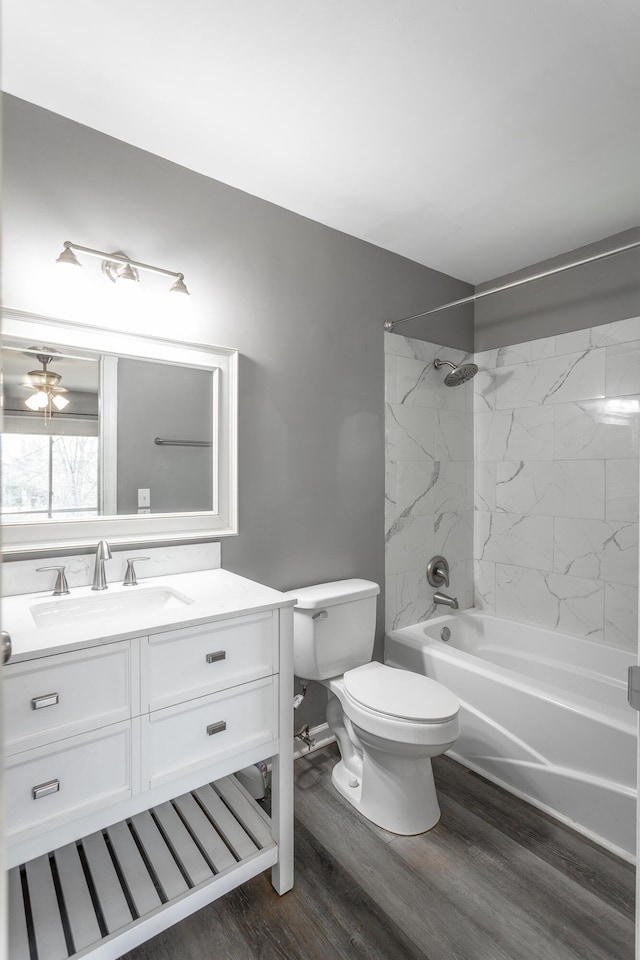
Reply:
x=282, y=768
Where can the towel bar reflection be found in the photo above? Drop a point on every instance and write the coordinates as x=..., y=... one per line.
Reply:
x=160, y=442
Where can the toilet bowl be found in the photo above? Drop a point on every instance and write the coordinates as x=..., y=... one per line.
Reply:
x=388, y=723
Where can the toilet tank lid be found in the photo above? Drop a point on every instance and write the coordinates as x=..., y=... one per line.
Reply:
x=328, y=594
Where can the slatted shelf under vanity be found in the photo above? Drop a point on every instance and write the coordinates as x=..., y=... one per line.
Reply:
x=103, y=895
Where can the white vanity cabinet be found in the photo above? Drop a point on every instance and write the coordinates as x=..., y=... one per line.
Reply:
x=119, y=761
x=54, y=784
x=210, y=692
x=180, y=665
x=52, y=698
x=69, y=743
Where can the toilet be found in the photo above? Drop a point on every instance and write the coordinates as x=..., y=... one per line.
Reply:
x=388, y=723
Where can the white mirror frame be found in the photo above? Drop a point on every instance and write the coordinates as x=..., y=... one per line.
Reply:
x=50, y=536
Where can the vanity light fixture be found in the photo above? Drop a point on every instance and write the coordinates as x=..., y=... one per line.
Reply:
x=47, y=392
x=118, y=266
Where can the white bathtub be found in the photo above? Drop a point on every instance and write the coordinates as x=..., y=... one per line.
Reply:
x=544, y=714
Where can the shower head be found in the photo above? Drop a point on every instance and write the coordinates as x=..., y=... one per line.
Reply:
x=459, y=374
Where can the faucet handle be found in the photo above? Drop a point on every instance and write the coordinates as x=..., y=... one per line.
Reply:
x=62, y=587
x=130, y=579
x=438, y=572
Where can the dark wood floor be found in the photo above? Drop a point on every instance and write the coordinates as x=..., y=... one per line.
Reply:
x=494, y=880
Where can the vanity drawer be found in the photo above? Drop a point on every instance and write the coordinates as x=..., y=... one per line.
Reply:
x=55, y=697
x=194, y=662
x=204, y=731
x=69, y=779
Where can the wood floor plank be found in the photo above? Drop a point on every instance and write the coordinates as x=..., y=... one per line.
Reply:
x=589, y=864
x=607, y=934
x=548, y=915
x=276, y=927
x=326, y=917
x=467, y=890
x=207, y=934
x=428, y=918
x=353, y=923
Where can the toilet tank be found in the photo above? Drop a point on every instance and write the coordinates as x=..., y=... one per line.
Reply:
x=333, y=627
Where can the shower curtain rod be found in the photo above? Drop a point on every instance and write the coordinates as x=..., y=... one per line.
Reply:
x=390, y=324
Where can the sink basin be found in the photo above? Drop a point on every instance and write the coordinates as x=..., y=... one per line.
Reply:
x=138, y=600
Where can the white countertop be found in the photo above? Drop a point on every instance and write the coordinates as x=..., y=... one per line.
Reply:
x=215, y=594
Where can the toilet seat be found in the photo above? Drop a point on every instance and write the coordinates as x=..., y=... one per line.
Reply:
x=400, y=694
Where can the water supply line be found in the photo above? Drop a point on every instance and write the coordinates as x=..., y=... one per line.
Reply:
x=304, y=735
x=299, y=697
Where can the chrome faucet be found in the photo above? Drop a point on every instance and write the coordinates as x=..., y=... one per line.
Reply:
x=438, y=576
x=445, y=600
x=103, y=552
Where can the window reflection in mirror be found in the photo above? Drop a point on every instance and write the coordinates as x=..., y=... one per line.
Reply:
x=49, y=457
x=97, y=455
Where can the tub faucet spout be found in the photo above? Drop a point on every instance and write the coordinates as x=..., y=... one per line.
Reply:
x=445, y=600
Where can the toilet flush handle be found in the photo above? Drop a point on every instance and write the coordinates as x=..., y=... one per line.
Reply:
x=320, y=615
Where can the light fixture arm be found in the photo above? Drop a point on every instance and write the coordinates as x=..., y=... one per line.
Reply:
x=119, y=258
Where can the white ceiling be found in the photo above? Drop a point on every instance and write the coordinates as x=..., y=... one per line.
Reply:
x=474, y=136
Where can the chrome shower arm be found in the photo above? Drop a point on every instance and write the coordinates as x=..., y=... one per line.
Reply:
x=440, y=363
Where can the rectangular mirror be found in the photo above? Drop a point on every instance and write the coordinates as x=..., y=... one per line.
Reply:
x=115, y=436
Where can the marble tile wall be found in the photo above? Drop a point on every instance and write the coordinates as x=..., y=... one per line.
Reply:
x=557, y=429
x=429, y=479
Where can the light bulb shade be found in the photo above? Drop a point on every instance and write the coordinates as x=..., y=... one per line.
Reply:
x=126, y=272
x=179, y=286
x=119, y=269
x=118, y=266
x=69, y=257
x=59, y=401
x=37, y=401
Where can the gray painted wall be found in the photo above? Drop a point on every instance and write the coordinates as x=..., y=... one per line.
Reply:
x=584, y=297
x=163, y=400
x=304, y=304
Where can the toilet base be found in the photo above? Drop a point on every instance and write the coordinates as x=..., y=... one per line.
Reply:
x=398, y=794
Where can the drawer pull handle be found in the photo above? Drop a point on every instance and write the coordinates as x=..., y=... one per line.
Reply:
x=6, y=646
x=216, y=727
x=218, y=655
x=44, y=789
x=48, y=700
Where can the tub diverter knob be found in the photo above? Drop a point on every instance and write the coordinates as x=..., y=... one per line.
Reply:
x=438, y=572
